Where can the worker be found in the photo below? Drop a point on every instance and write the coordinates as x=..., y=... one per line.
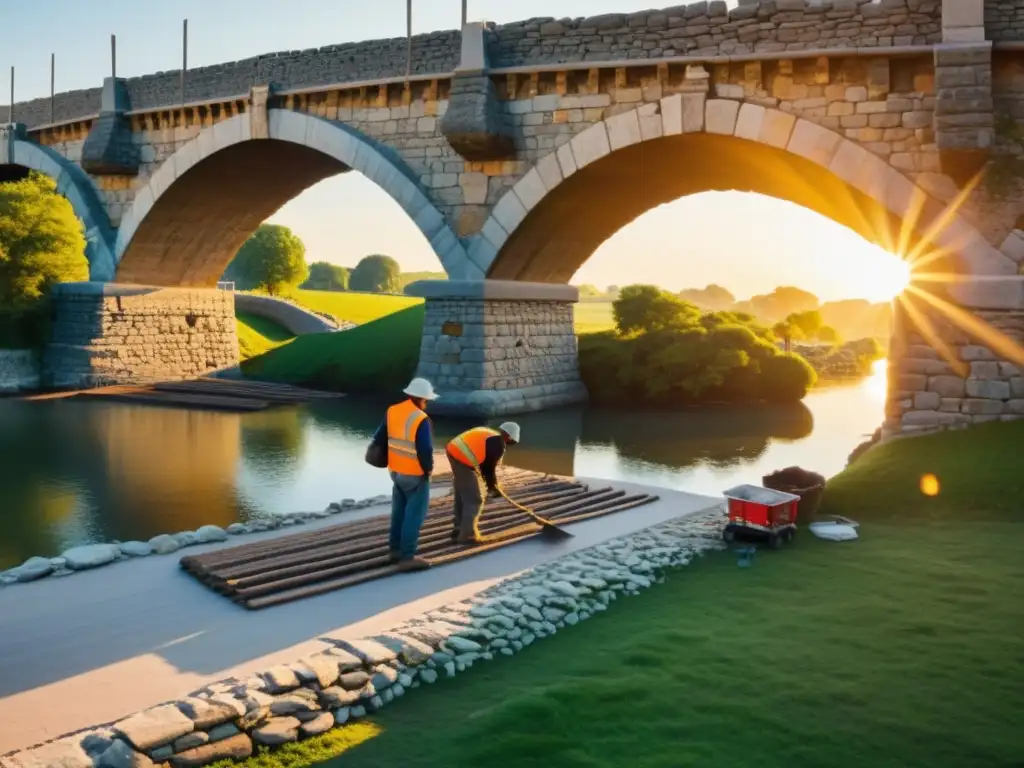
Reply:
x=407, y=434
x=475, y=456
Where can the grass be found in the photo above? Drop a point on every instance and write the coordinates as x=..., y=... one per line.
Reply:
x=377, y=355
x=594, y=316
x=357, y=308
x=904, y=648
x=258, y=335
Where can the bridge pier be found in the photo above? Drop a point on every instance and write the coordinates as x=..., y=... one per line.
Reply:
x=107, y=333
x=496, y=347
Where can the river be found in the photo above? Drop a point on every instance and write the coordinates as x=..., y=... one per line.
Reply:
x=76, y=471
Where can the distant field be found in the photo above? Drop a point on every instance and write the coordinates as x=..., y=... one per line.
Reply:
x=594, y=316
x=357, y=308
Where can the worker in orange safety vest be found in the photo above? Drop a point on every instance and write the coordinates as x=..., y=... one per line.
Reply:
x=410, y=449
x=474, y=456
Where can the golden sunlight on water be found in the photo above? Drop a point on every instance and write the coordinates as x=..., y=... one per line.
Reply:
x=877, y=382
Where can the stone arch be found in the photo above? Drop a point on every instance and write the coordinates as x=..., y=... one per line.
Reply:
x=201, y=204
x=540, y=230
x=74, y=184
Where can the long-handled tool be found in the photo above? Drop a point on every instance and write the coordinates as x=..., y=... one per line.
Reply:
x=548, y=529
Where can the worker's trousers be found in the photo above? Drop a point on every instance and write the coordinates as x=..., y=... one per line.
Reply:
x=410, y=498
x=468, y=487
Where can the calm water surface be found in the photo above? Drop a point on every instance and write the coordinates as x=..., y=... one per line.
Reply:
x=73, y=472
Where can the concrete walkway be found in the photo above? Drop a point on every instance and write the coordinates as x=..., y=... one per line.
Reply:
x=97, y=646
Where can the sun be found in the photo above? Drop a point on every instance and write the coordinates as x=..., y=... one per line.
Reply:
x=879, y=275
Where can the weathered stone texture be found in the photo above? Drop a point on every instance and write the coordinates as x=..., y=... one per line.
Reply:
x=500, y=356
x=115, y=334
x=1004, y=20
x=709, y=28
x=929, y=392
x=433, y=53
x=19, y=370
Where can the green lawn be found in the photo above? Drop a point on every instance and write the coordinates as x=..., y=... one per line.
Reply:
x=594, y=316
x=257, y=335
x=902, y=649
x=357, y=308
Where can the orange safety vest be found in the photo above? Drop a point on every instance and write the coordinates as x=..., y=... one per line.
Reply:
x=403, y=421
x=471, y=446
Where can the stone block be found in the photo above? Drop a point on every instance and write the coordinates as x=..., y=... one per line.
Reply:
x=982, y=407
x=237, y=747
x=925, y=401
x=1013, y=246
x=623, y=130
x=474, y=187
x=693, y=112
x=989, y=390
x=530, y=189
x=813, y=142
x=947, y=386
x=550, y=171
x=720, y=116
x=750, y=122
x=672, y=115
x=510, y=211
x=154, y=727
x=589, y=146
x=776, y=128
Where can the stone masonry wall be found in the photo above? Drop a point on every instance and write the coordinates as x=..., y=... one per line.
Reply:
x=523, y=353
x=698, y=28
x=1004, y=20
x=929, y=392
x=709, y=28
x=434, y=53
x=107, y=334
x=19, y=370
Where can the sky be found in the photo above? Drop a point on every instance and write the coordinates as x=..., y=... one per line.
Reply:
x=748, y=243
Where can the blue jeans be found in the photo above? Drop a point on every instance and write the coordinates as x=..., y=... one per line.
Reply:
x=409, y=499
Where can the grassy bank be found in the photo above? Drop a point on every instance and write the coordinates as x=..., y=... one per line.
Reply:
x=903, y=648
x=258, y=335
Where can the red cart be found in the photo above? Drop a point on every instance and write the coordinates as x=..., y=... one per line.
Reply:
x=761, y=513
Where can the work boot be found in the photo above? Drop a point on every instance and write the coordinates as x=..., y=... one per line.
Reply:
x=410, y=564
x=456, y=535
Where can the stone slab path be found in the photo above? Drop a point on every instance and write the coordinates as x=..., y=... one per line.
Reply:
x=83, y=650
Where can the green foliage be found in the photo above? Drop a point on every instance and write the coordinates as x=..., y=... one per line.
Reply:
x=667, y=352
x=41, y=242
x=272, y=259
x=376, y=274
x=808, y=322
x=645, y=308
x=786, y=378
x=590, y=292
x=827, y=335
x=324, y=276
x=711, y=297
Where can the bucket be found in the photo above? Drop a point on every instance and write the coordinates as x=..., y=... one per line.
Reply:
x=809, y=486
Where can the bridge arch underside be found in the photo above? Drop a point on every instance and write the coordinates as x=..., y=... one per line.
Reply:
x=198, y=224
x=572, y=220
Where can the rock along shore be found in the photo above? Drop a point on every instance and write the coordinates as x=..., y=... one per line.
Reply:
x=358, y=676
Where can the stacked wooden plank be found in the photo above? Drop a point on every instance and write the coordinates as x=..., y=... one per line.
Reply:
x=281, y=570
x=216, y=394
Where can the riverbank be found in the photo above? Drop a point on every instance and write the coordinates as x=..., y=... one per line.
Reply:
x=98, y=647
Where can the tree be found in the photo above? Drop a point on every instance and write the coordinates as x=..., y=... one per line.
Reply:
x=376, y=274
x=648, y=308
x=788, y=332
x=711, y=297
x=272, y=259
x=827, y=335
x=324, y=276
x=41, y=242
x=808, y=322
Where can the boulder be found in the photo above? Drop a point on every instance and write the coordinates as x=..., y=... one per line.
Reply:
x=90, y=556
x=135, y=548
x=211, y=533
x=66, y=753
x=238, y=747
x=32, y=569
x=206, y=713
x=154, y=727
x=320, y=724
x=280, y=730
x=164, y=544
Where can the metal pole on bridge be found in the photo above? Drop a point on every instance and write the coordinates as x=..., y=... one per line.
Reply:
x=53, y=70
x=184, y=56
x=465, y=12
x=113, y=55
x=10, y=112
x=408, y=37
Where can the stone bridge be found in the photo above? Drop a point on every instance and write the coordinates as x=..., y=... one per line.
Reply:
x=518, y=149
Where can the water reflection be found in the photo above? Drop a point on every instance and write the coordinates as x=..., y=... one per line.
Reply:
x=73, y=472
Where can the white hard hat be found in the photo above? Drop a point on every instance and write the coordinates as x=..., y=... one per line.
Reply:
x=421, y=388
x=511, y=429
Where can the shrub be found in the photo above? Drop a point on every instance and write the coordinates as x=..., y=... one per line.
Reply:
x=645, y=308
x=785, y=378
x=272, y=259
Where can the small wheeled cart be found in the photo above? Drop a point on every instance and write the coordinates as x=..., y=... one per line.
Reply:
x=761, y=514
